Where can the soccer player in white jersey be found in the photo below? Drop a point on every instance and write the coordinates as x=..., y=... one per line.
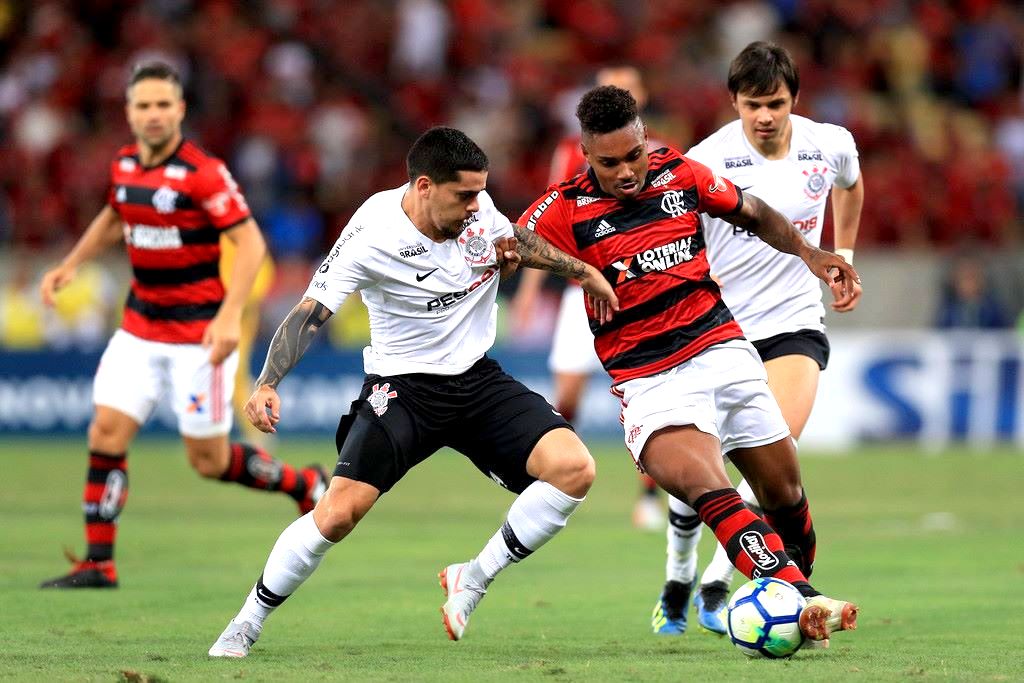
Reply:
x=426, y=257
x=792, y=163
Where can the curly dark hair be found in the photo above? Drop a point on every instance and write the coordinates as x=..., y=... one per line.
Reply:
x=606, y=108
x=441, y=153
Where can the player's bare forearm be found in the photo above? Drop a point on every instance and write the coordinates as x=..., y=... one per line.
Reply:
x=250, y=250
x=846, y=207
x=771, y=226
x=102, y=233
x=537, y=252
x=291, y=340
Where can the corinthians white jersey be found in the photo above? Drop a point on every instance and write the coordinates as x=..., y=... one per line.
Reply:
x=432, y=306
x=767, y=291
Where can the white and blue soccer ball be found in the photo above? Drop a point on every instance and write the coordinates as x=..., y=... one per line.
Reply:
x=764, y=618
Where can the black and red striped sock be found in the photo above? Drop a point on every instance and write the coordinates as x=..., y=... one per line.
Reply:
x=793, y=524
x=106, y=490
x=253, y=467
x=753, y=547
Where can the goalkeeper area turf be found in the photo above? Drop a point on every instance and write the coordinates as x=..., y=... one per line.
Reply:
x=930, y=546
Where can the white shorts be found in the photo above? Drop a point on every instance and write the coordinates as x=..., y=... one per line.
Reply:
x=572, y=349
x=722, y=391
x=134, y=374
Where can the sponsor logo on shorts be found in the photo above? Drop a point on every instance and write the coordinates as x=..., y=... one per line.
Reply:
x=757, y=550
x=379, y=397
x=196, y=403
x=634, y=432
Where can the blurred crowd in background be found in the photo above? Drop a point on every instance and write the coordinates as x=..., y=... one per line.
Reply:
x=313, y=104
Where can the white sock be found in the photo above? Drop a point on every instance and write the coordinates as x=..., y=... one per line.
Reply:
x=720, y=568
x=539, y=513
x=683, y=533
x=295, y=556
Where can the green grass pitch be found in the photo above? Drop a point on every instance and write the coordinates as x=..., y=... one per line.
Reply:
x=929, y=545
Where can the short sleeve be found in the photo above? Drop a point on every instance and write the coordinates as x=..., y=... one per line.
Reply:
x=498, y=224
x=549, y=217
x=847, y=157
x=716, y=196
x=216, y=191
x=345, y=270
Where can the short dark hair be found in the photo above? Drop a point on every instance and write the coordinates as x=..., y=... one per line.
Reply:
x=760, y=68
x=606, y=108
x=159, y=70
x=441, y=153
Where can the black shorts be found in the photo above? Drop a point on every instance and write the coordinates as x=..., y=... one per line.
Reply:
x=399, y=421
x=810, y=343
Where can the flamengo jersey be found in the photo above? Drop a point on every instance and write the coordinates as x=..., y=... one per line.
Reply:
x=173, y=215
x=770, y=292
x=432, y=306
x=651, y=248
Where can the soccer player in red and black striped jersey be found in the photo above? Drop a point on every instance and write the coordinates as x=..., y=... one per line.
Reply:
x=170, y=202
x=692, y=387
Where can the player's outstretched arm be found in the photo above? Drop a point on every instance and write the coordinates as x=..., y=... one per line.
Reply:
x=222, y=334
x=846, y=207
x=104, y=231
x=777, y=231
x=536, y=252
x=291, y=340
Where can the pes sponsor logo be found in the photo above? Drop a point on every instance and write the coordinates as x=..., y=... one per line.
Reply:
x=754, y=546
x=448, y=300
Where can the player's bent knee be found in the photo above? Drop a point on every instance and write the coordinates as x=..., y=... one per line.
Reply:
x=341, y=508
x=574, y=474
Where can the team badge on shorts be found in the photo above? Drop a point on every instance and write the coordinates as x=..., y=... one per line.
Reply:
x=477, y=249
x=379, y=397
x=195, y=403
x=815, y=182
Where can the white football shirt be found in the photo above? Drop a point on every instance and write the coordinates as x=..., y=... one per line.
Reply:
x=769, y=292
x=432, y=306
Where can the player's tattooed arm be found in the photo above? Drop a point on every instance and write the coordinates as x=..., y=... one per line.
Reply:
x=777, y=231
x=291, y=340
x=536, y=252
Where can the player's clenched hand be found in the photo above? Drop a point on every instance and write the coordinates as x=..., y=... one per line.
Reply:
x=600, y=294
x=835, y=272
x=844, y=302
x=221, y=337
x=508, y=257
x=263, y=409
x=53, y=281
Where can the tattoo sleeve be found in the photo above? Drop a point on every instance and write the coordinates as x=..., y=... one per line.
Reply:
x=537, y=252
x=291, y=340
x=771, y=226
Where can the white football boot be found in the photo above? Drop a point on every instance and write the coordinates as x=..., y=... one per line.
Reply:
x=236, y=640
x=463, y=597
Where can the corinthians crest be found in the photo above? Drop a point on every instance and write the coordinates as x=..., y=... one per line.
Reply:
x=816, y=184
x=476, y=249
x=379, y=397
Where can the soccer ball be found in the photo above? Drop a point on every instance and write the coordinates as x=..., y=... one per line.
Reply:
x=764, y=618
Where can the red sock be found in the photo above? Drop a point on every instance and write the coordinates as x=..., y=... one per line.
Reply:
x=106, y=490
x=794, y=526
x=753, y=547
x=254, y=467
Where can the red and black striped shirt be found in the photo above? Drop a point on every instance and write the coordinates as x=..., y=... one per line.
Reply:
x=173, y=215
x=651, y=248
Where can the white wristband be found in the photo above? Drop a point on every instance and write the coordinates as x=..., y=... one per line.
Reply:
x=845, y=253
